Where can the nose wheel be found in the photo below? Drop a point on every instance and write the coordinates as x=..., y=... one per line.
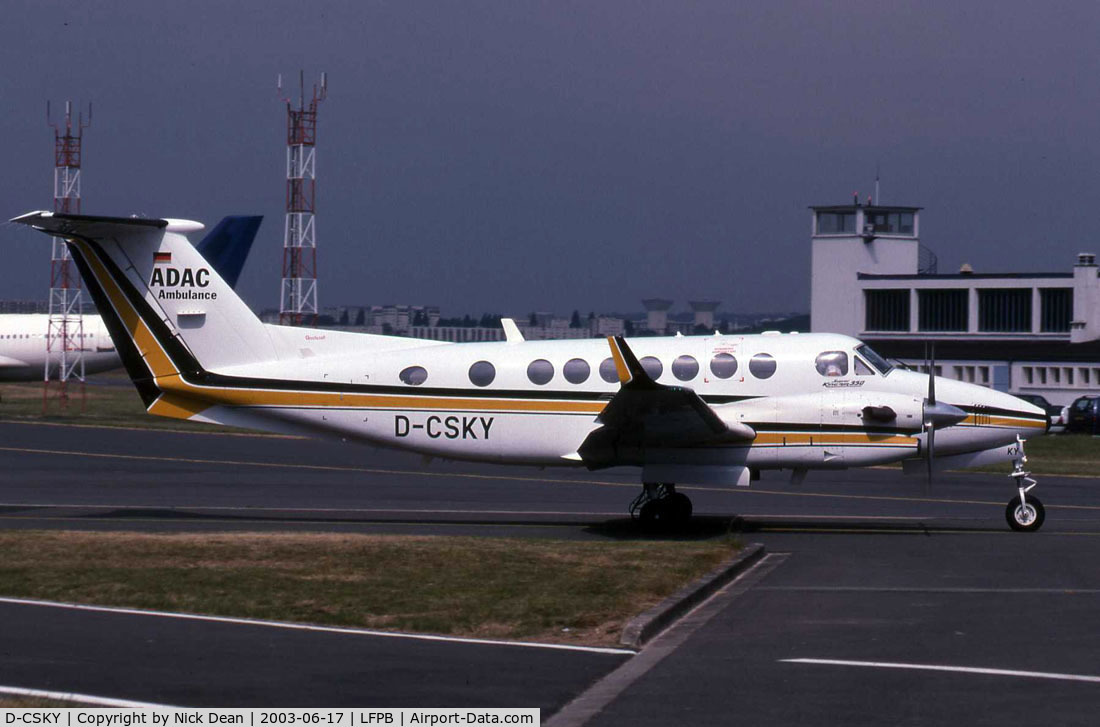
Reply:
x=1024, y=513
x=659, y=505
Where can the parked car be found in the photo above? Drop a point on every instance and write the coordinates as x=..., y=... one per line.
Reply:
x=1055, y=412
x=1084, y=415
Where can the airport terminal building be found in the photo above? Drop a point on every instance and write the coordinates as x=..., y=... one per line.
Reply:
x=1025, y=333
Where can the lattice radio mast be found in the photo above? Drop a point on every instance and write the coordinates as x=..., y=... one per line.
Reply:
x=298, y=295
x=65, y=329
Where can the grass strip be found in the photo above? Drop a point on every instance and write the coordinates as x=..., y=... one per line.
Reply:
x=505, y=588
x=1057, y=454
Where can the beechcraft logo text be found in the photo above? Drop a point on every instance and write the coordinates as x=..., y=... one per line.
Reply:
x=179, y=283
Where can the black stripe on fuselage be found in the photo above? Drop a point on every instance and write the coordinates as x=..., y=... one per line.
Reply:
x=802, y=428
x=132, y=359
x=999, y=412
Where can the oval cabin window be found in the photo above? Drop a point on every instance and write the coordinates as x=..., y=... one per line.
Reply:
x=723, y=365
x=608, y=372
x=685, y=368
x=652, y=366
x=413, y=375
x=540, y=371
x=482, y=373
x=832, y=363
x=762, y=365
x=576, y=371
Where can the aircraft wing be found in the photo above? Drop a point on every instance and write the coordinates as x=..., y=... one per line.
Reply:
x=645, y=414
x=9, y=362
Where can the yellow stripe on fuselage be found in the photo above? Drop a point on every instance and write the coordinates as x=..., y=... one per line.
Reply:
x=1000, y=422
x=833, y=439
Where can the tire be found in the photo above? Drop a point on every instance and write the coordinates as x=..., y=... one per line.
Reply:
x=1023, y=522
x=652, y=514
x=665, y=514
x=679, y=508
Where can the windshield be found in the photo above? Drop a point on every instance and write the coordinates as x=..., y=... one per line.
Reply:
x=884, y=367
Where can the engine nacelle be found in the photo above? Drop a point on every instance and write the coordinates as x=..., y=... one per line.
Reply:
x=832, y=407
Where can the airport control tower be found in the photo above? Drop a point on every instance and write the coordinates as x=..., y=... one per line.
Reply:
x=849, y=240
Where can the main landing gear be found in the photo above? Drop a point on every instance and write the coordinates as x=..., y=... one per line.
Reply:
x=1024, y=514
x=660, y=505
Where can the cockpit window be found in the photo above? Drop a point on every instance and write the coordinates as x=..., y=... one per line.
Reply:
x=884, y=367
x=832, y=363
x=861, y=368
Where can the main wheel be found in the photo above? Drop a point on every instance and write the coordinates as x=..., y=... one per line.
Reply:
x=679, y=508
x=666, y=513
x=1026, y=517
x=653, y=514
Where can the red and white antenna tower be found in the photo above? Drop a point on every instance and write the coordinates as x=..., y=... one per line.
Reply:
x=298, y=296
x=65, y=331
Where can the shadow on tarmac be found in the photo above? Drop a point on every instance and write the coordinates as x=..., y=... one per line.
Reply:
x=706, y=527
x=700, y=527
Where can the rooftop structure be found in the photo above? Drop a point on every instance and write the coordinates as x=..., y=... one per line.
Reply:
x=657, y=314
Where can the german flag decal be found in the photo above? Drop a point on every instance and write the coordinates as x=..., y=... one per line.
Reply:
x=162, y=257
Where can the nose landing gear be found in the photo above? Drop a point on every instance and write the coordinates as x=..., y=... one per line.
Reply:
x=1024, y=514
x=660, y=505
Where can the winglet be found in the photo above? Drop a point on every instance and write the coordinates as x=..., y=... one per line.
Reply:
x=511, y=331
x=628, y=367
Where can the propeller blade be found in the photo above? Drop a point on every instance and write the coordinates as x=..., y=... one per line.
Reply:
x=933, y=415
x=932, y=376
x=931, y=456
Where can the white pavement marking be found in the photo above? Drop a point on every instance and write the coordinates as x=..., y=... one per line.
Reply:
x=292, y=509
x=955, y=669
x=82, y=698
x=350, y=631
x=932, y=589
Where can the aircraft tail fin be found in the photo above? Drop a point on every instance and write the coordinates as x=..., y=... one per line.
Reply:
x=168, y=310
x=226, y=247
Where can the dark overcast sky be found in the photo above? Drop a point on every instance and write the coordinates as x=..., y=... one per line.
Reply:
x=514, y=156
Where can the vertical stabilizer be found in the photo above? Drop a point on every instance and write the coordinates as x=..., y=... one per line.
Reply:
x=179, y=312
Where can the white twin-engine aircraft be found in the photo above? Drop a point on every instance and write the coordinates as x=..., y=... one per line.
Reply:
x=713, y=409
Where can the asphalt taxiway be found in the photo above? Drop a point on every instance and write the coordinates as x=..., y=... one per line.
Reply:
x=878, y=601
